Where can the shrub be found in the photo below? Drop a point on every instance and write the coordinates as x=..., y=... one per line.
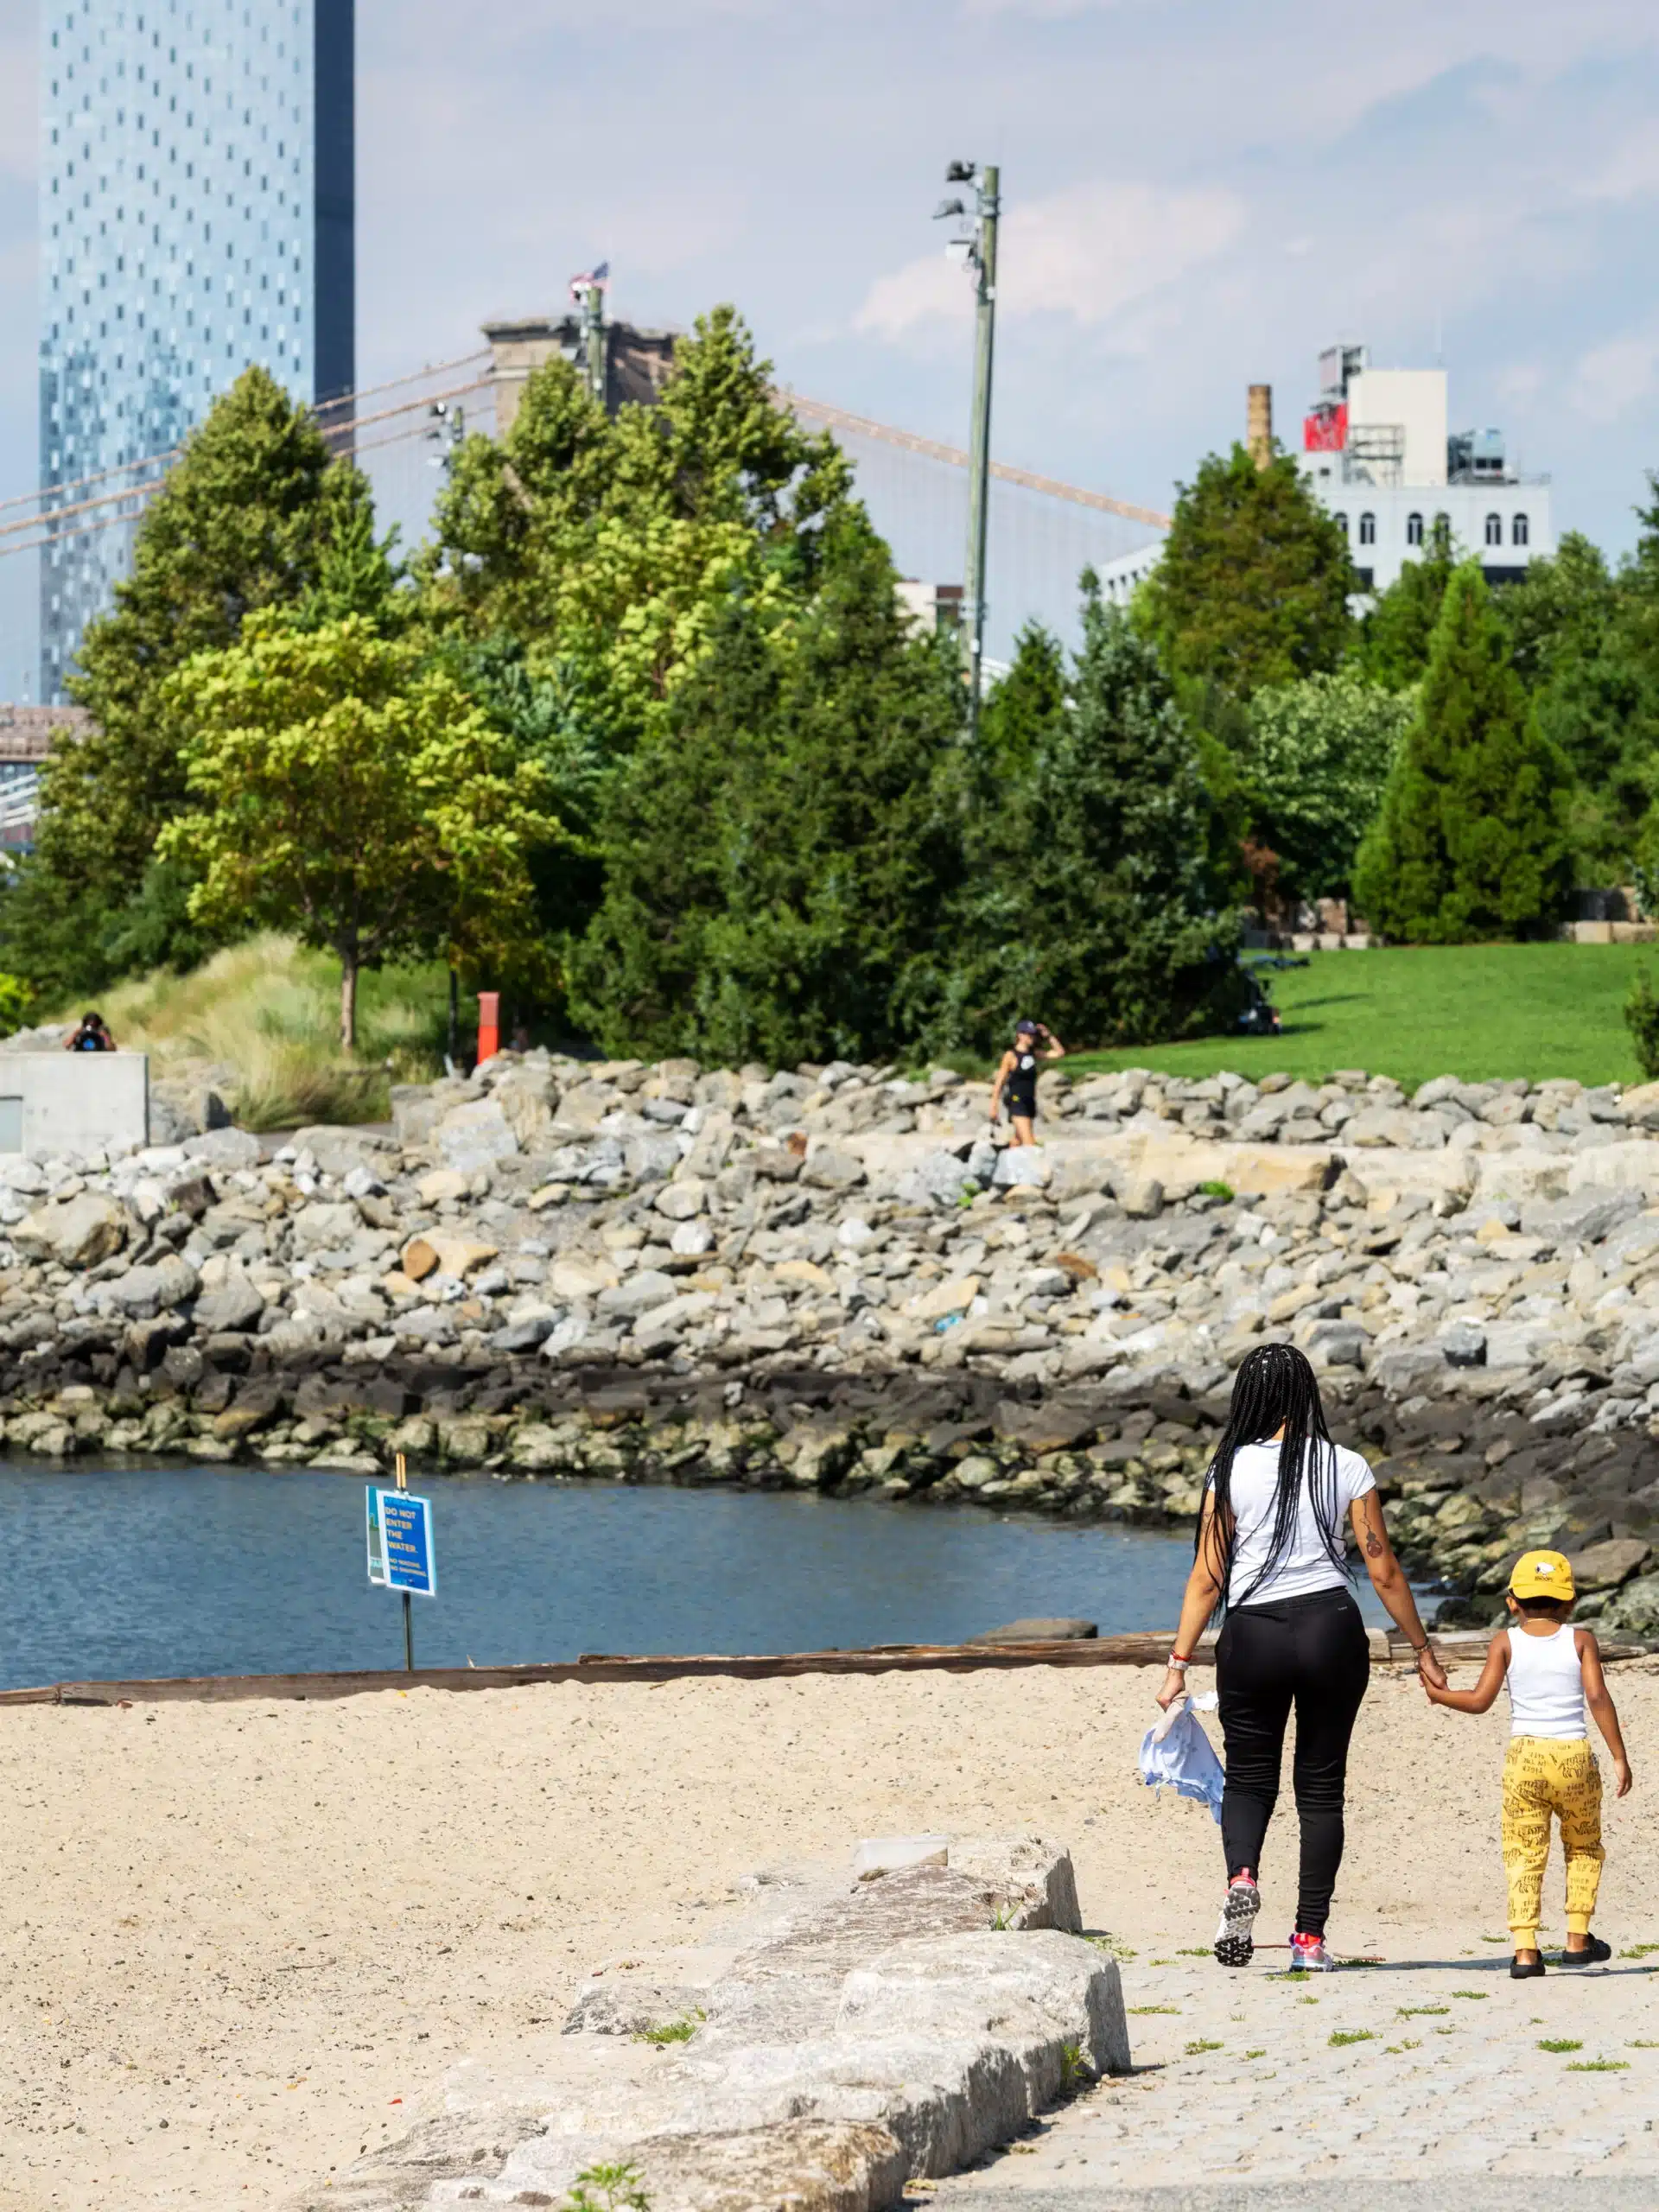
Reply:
x=1642, y=1019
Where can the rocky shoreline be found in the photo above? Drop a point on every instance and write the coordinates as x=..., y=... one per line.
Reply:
x=833, y=1280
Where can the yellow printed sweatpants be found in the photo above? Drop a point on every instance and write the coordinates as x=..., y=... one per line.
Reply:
x=1544, y=1775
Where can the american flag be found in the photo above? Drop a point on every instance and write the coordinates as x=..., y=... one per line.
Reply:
x=588, y=278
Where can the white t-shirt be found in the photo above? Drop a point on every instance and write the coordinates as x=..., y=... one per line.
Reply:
x=1304, y=1564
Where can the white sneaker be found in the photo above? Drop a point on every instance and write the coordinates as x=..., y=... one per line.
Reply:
x=1309, y=1955
x=1235, y=1944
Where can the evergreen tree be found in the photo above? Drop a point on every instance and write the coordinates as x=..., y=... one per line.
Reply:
x=1021, y=710
x=1397, y=630
x=1090, y=903
x=777, y=851
x=1254, y=582
x=1472, y=840
x=242, y=522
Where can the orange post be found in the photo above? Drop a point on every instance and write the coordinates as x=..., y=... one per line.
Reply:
x=489, y=1026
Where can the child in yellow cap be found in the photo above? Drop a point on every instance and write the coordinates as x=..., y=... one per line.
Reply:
x=1553, y=1672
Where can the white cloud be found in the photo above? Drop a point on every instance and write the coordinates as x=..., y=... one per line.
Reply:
x=1087, y=253
x=1612, y=379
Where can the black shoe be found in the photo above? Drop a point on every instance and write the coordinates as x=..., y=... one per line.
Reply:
x=1595, y=1954
x=1518, y=1972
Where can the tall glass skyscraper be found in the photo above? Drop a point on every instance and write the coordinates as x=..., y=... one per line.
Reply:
x=197, y=215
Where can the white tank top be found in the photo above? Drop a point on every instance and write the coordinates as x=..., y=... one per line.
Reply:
x=1545, y=1684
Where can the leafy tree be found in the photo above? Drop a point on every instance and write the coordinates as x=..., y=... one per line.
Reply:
x=242, y=522
x=1393, y=645
x=1021, y=710
x=778, y=849
x=612, y=548
x=345, y=790
x=1254, y=583
x=1318, y=759
x=1089, y=899
x=1471, y=838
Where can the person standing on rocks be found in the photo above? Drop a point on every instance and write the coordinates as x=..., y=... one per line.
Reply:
x=1268, y=1550
x=1016, y=1077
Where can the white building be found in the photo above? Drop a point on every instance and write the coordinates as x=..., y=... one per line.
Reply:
x=1377, y=454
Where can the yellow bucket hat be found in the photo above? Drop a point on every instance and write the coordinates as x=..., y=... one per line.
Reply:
x=1542, y=1574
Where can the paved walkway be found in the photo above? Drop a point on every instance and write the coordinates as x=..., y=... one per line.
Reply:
x=1423, y=2078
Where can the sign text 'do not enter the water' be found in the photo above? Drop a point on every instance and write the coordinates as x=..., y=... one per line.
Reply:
x=401, y=1554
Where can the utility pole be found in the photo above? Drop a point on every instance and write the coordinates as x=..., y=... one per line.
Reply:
x=593, y=339
x=587, y=290
x=977, y=252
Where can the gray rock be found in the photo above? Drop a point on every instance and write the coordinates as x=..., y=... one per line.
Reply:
x=1142, y=1197
x=475, y=1135
x=1336, y=1344
x=1604, y=1567
x=637, y=1293
x=684, y=1199
x=146, y=1291
x=235, y=1304
x=1464, y=1344
x=1402, y=1371
x=1021, y=1167
x=321, y=1225
x=525, y=1336
x=827, y=1169
x=938, y=1179
x=1583, y=1218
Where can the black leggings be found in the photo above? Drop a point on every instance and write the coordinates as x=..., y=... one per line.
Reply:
x=1312, y=1652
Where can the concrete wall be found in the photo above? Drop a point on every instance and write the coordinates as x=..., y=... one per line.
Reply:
x=73, y=1102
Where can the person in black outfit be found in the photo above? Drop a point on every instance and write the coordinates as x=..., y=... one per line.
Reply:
x=1268, y=1548
x=1016, y=1077
x=92, y=1036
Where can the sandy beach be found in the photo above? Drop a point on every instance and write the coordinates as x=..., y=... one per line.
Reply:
x=243, y=1943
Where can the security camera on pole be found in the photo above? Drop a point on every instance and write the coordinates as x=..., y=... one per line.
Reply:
x=977, y=252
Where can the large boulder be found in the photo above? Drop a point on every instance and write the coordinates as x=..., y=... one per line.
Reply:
x=234, y=1305
x=475, y=1135
x=323, y=1226
x=77, y=1234
x=145, y=1292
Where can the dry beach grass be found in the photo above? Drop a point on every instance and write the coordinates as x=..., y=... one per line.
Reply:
x=242, y=1942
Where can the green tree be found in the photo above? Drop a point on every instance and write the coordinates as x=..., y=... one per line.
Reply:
x=1318, y=759
x=778, y=849
x=1472, y=840
x=610, y=548
x=341, y=788
x=243, y=521
x=1021, y=710
x=1254, y=582
x=1392, y=644
x=1090, y=902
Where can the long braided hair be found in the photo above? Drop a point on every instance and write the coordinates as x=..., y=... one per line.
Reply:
x=1275, y=1388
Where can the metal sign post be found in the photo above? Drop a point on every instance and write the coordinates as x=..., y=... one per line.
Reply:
x=401, y=1551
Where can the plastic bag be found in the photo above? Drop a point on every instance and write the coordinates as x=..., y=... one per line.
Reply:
x=1177, y=1755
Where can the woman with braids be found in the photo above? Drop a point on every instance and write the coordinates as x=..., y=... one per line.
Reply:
x=1269, y=1551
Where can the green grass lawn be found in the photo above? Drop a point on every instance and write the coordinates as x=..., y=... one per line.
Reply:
x=1478, y=1011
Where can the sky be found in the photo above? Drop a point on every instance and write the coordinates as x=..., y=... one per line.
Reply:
x=1199, y=195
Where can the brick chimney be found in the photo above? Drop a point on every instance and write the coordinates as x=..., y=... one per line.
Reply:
x=1258, y=434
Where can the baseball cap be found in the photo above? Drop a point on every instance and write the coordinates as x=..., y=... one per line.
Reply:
x=1542, y=1574
x=1025, y=1028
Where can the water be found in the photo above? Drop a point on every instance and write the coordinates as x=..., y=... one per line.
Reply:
x=119, y=1575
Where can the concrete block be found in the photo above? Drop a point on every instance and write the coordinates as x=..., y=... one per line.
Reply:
x=56, y=1102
